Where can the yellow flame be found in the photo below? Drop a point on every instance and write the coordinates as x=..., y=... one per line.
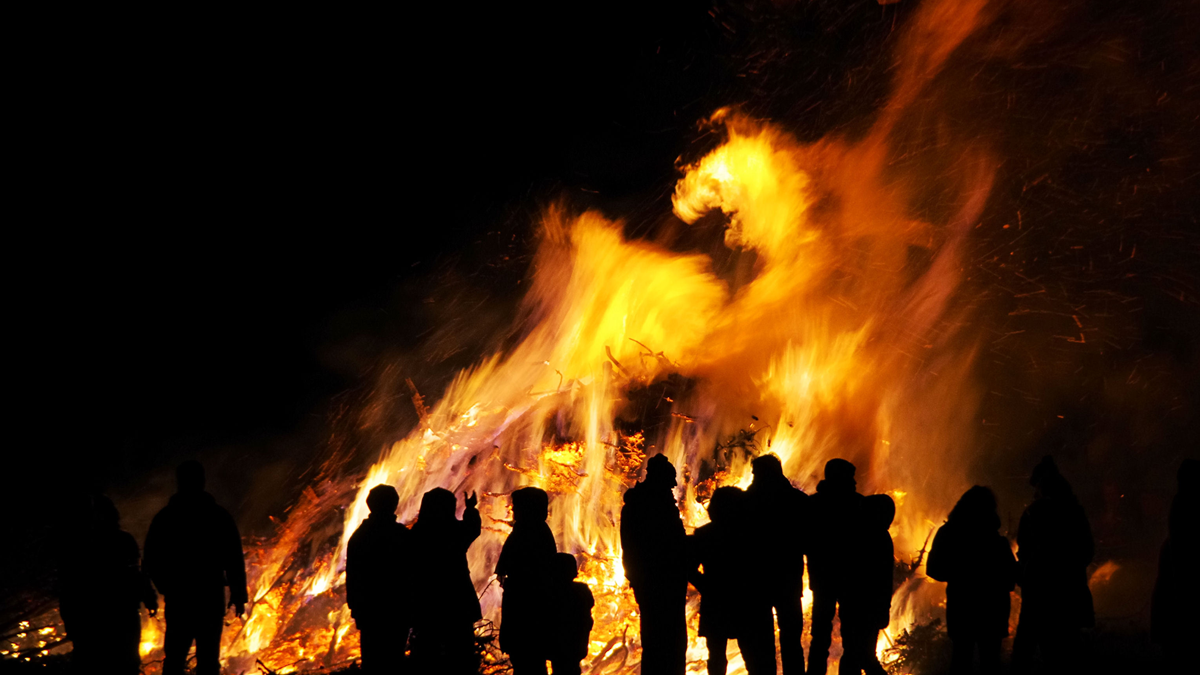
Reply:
x=825, y=344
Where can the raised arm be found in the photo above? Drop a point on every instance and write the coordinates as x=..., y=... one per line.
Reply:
x=472, y=524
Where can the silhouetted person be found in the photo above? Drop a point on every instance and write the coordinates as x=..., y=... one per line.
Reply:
x=193, y=551
x=103, y=593
x=867, y=605
x=1175, y=611
x=377, y=573
x=522, y=571
x=570, y=615
x=979, y=569
x=73, y=520
x=655, y=560
x=727, y=611
x=777, y=518
x=833, y=520
x=443, y=627
x=1054, y=549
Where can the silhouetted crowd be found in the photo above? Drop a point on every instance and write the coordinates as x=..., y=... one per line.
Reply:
x=748, y=566
x=192, y=553
x=413, y=601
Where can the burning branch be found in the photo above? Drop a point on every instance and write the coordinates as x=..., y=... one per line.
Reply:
x=418, y=403
x=616, y=363
x=743, y=440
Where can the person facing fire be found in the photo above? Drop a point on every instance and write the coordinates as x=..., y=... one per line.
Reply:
x=193, y=551
x=1175, y=609
x=377, y=557
x=1054, y=549
x=522, y=571
x=570, y=618
x=867, y=602
x=777, y=516
x=103, y=593
x=655, y=560
x=834, y=513
x=717, y=569
x=447, y=608
x=979, y=569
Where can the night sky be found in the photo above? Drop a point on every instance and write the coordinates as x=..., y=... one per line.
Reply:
x=230, y=221
x=228, y=225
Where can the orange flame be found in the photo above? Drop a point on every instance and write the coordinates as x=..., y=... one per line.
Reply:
x=847, y=341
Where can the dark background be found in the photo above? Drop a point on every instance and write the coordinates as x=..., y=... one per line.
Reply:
x=228, y=225
x=227, y=221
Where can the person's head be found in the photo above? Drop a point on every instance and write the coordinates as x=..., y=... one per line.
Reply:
x=976, y=507
x=723, y=504
x=104, y=513
x=766, y=468
x=1054, y=486
x=660, y=471
x=1189, y=476
x=383, y=500
x=189, y=477
x=839, y=473
x=437, y=505
x=563, y=567
x=879, y=511
x=1042, y=471
x=530, y=504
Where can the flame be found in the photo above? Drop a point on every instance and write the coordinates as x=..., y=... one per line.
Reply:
x=835, y=346
x=1103, y=574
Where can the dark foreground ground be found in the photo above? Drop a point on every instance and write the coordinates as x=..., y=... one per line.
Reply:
x=1114, y=647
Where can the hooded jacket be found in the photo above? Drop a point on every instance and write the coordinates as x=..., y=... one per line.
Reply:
x=377, y=569
x=979, y=569
x=194, y=548
x=653, y=540
x=834, y=517
x=445, y=592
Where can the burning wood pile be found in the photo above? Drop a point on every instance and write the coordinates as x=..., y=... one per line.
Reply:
x=836, y=346
x=837, y=329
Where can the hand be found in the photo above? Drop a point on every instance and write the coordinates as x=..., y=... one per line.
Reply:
x=470, y=501
x=238, y=607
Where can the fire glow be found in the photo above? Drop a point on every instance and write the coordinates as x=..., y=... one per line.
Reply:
x=836, y=345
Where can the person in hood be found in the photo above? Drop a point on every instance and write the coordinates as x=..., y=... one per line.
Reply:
x=867, y=603
x=522, y=571
x=979, y=569
x=1175, y=609
x=377, y=569
x=655, y=560
x=193, y=552
x=447, y=608
x=834, y=521
x=776, y=517
x=720, y=570
x=1054, y=549
x=104, y=592
x=570, y=613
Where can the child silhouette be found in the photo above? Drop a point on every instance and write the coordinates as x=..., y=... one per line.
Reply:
x=571, y=615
